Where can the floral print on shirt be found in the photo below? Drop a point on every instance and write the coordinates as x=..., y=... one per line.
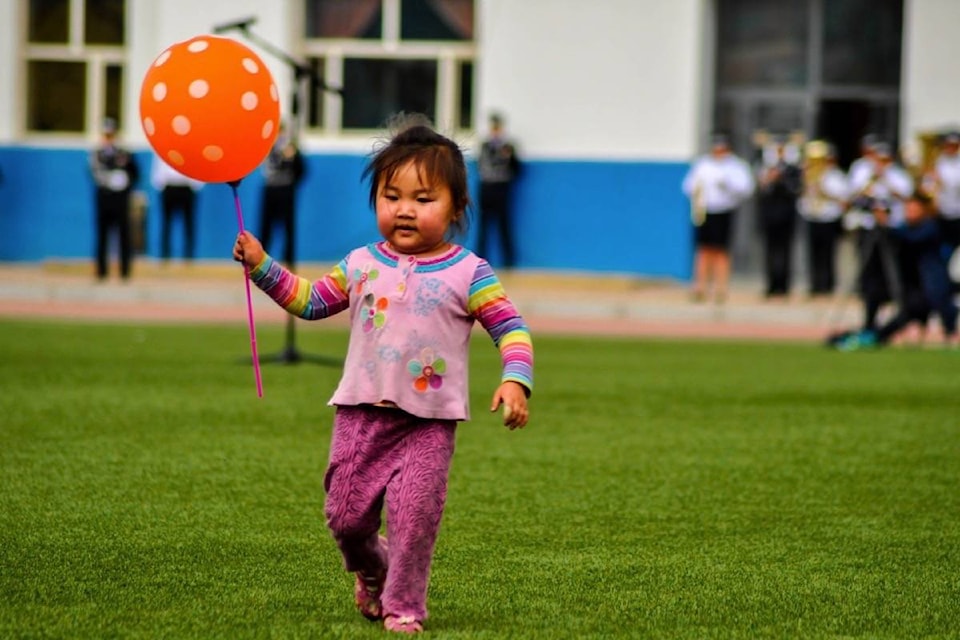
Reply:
x=427, y=371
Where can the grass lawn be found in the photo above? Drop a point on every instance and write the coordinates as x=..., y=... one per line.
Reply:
x=664, y=489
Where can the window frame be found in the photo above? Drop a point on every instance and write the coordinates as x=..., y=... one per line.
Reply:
x=448, y=54
x=96, y=59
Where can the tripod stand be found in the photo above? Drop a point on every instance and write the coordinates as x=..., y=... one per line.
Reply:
x=290, y=354
x=875, y=241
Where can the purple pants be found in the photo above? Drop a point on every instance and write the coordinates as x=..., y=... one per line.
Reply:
x=386, y=455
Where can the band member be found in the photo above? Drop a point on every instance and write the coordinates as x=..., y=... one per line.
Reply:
x=178, y=195
x=717, y=184
x=946, y=192
x=282, y=172
x=779, y=184
x=883, y=185
x=115, y=172
x=825, y=195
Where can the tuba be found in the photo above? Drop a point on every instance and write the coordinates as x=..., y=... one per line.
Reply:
x=816, y=161
x=923, y=162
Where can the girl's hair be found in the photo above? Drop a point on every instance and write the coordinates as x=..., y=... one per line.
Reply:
x=438, y=160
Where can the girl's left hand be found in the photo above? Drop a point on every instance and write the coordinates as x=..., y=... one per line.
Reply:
x=513, y=396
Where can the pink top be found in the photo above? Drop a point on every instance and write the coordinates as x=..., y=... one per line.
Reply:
x=411, y=322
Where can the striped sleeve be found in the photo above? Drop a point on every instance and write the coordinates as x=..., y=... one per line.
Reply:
x=489, y=304
x=308, y=300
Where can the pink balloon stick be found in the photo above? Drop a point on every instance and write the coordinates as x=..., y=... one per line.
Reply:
x=246, y=280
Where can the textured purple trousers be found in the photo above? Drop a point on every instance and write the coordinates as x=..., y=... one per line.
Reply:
x=381, y=456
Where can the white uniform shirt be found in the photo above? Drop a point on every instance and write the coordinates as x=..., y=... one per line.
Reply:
x=720, y=184
x=163, y=175
x=948, y=195
x=892, y=186
x=831, y=202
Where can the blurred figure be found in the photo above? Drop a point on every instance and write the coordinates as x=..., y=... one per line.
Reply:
x=499, y=167
x=178, y=194
x=779, y=185
x=922, y=270
x=115, y=172
x=946, y=193
x=882, y=185
x=717, y=184
x=283, y=171
x=822, y=204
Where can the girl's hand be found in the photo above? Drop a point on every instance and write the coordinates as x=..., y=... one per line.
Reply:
x=513, y=396
x=248, y=250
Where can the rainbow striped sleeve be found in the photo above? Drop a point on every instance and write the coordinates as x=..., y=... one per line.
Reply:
x=299, y=296
x=489, y=304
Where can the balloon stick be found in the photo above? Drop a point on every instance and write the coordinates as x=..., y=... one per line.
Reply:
x=246, y=279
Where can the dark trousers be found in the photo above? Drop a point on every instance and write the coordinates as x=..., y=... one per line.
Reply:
x=113, y=218
x=778, y=248
x=178, y=199
x=822, y=256
x=278, y=211
x=495, y=212
x=936, y=284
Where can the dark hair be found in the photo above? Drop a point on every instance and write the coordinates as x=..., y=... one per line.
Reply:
x=437, y=158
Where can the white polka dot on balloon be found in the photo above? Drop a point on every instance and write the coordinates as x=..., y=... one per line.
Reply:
x=181, y=125
x=197, y=46
x=198, y=88
x=213, y=153
x=250, y=65
x=249, y=101
x=159, y=91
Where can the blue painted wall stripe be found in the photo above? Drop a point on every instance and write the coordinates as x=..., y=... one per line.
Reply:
x=623, y=217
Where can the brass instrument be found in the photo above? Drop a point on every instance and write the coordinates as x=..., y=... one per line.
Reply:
x=816, y=161
x=698, y=208
x=924, y=162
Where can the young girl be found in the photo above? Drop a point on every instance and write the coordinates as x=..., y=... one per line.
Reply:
x=413, y=298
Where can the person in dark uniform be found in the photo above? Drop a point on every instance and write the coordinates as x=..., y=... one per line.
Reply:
x=114, y=172
x=283, y=170
x=779, y=186
x=178, y=194
x=499, y=168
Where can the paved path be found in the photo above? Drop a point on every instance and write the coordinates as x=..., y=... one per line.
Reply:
x=551, y=302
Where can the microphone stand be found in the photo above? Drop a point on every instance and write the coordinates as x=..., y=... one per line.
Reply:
x=301, y=71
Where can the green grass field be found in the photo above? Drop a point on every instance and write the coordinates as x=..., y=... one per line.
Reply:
x=664, y=489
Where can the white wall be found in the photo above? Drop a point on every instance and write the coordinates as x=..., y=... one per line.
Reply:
x=606, y=79
x=930, y=85
x=155, y=25
x=10, y=36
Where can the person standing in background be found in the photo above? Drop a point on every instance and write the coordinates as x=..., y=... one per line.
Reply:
x=499, y=168
x=115, y=172
x=946, y=194
x=178, y=194
x=717, y=184
x=824, y=200
x=780, y=183
x=283, y=171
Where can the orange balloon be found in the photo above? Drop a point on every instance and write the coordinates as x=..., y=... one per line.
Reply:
x=210, y=108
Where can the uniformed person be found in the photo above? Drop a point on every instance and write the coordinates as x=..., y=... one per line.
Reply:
x=499, y=166
x=779, y=185
x=283, y=171
x=824, y=199
x=115, y=172
x=178, y=195
x=717, y=184
x=947, y=192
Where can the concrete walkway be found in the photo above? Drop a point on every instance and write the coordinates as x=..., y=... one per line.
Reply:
x=551, y=302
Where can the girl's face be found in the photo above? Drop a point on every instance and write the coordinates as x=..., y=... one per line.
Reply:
x=414, y=217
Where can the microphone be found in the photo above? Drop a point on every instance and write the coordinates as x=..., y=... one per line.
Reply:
x=242, y=25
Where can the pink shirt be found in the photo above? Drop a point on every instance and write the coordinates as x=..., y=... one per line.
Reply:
x=411, y=321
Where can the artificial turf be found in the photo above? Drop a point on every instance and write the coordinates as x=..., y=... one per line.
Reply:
x=664, y=489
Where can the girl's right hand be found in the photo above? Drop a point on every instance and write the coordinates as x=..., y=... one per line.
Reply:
x=248, y=250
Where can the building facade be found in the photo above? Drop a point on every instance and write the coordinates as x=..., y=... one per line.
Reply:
x=609, y=102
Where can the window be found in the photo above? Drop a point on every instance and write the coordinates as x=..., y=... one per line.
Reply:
x=388, y=56
x=75, y=64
